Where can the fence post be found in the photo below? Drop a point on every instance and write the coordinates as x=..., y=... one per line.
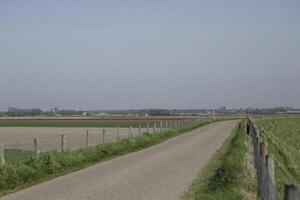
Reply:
x=248, y=128
x=154, y=127
x=99, y=136
x=270, y=164
x=87, y=142
x=118, y=134
x=257, y=138
x=263, y=151
x=130, y=131
x=291, y=192
x=148, y=127
x=63, y=143
x=271, y=178
x=36, y=148
x=2, y=157
x=160, y=126
x=140, y=126
x=103, y=135
x=166, y=125
x=18, y=143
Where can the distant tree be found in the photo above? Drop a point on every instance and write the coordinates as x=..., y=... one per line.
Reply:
x=23, y=112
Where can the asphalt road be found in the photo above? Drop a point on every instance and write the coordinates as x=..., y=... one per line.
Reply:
x=161, y=172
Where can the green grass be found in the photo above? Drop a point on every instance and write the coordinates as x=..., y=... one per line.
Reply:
x=17, y=175
x=283, y=138
x=14, y=156
x=74, y=123
x=230, y=174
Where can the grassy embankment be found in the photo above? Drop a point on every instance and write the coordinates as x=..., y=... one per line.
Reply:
x=283, y=139
x=230, y=174
x=18, y=175
x=75, y=123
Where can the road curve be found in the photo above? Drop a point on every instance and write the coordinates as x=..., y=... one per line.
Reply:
x=161, y=172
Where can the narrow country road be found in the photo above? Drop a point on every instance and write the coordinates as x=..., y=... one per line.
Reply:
x=161, y=172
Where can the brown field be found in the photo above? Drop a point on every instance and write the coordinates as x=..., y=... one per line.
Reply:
x=115, y=117
x=49, y=137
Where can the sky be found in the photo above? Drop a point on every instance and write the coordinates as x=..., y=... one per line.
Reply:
x=149, y=54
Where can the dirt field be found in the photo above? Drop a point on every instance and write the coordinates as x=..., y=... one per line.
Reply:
x=118, y=117
x=49, y=138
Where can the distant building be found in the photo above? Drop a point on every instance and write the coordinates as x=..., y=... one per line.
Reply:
x=54, y=111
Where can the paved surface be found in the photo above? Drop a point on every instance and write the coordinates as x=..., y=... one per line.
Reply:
x=161, y=172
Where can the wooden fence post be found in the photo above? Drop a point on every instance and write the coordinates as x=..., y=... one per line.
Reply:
x=270, y=164
x=18, y=143
x=291, y=192
x=36, y=148
x=148, y=127
x=271, y=178
x=118, y=134
x=160, y=126
x=87, y=142
x=2, y=156
x=63, y=143
x=154, y=127
x=103, y=135
x=130, y=131
x=248, y=128
x=99, y=136
x=140, y=131
x=263, y=151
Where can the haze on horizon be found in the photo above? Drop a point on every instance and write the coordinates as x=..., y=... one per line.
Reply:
x=149, y=54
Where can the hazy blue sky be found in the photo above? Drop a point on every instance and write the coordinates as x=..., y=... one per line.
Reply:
x=143, y=54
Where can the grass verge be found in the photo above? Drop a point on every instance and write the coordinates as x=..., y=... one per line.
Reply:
x=17, y=175
x=283, y=138
x=15, y=156
x=230, y=174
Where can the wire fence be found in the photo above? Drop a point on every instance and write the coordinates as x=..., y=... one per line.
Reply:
x=265, y=168
x=75, y=138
